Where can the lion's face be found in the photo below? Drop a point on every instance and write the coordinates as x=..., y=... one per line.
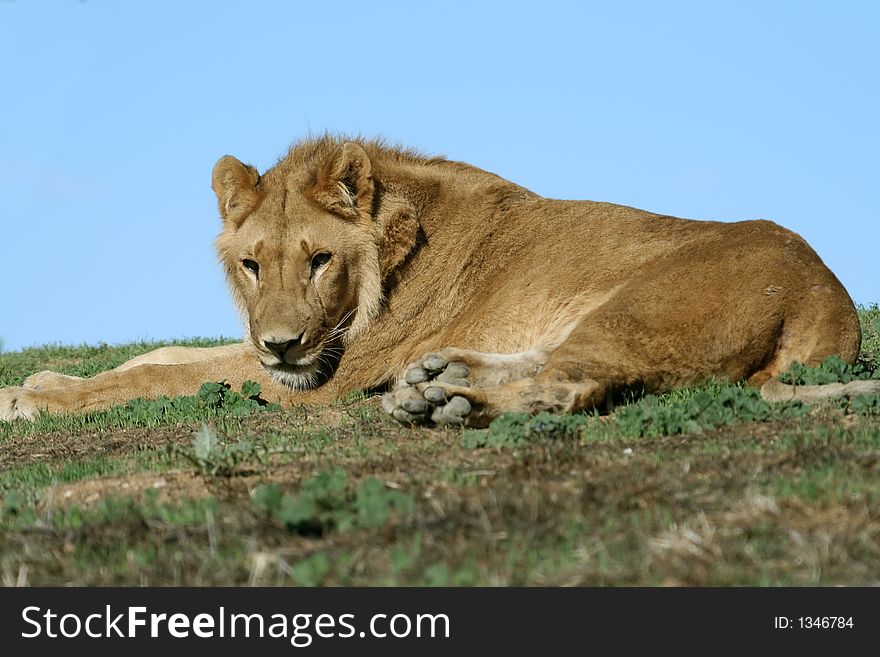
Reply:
x=298, y=283
x=305, y=278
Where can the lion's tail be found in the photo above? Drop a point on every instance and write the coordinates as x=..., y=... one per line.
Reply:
x=777, y=391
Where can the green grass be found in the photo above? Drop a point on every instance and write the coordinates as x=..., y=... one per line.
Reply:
x=214, y=400
x=869, y=357
x=40, y=475
x=323, y=504
x=706, y=486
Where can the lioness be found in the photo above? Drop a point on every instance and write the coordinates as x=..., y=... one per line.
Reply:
x=362, y=267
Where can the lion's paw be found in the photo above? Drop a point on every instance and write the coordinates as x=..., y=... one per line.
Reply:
x=426, y=392
x=17, y=404
x=426, y=405
x=437, y=367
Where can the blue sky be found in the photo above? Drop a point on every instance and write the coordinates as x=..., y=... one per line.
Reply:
x=113, y=114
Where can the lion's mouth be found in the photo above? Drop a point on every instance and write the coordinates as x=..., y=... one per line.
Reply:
x=305, y=372
x=303, y=362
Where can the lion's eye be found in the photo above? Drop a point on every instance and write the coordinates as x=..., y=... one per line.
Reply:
x=319, y=260
x=251, y=266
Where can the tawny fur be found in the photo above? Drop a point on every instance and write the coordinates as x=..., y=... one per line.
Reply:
x=427, y=254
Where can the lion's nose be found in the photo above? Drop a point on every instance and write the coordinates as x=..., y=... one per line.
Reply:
x=280, y=348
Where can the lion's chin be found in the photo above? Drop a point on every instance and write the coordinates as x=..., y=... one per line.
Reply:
x=297, y=377
x=309, y=372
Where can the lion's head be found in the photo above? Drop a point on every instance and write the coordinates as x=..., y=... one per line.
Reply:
x=301, y=249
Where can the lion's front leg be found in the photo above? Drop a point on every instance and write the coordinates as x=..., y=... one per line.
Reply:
x=454, y=367
x=477, y=367
x=456, y=386
x=441, y=403
x=145, y=378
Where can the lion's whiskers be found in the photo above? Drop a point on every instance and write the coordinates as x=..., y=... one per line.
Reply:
x=339, y=330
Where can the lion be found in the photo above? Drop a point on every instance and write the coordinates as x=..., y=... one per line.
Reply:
x=462, y=295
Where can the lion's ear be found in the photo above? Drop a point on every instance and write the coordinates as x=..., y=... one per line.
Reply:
x=344, y=182
x=400, y=234
x=236, y=187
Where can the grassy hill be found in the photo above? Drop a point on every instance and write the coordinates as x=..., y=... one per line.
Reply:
x=709, y=486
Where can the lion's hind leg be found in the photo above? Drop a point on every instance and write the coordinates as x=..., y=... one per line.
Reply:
x=49, y=379
x=173, y=355
x=169, y=372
